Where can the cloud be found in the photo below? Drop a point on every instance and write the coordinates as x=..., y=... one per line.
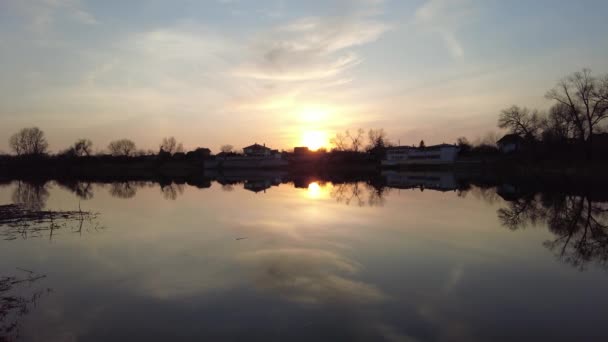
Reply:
x=444, y=17
x=309, y=276
x=310, y=48
x=40, y=15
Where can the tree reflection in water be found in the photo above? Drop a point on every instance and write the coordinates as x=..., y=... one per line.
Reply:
x=360, y=194
x=172, y=191
x=579, y=224
x=32, y=196
x=123, y=189
x=83, y=190
x=26, y=218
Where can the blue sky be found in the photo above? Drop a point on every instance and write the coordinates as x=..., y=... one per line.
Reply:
x=235, y=71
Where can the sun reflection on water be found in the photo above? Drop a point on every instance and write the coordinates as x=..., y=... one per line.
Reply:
x=316, y=190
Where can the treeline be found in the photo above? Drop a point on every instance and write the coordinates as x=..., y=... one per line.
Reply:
x=32, y=143
x=574, y=124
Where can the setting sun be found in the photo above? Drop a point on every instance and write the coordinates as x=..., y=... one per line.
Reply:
x=314, y=139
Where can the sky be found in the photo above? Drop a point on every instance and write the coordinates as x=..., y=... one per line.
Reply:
x=284, y=73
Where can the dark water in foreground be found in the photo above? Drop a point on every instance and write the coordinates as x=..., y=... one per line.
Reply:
x=317, y=262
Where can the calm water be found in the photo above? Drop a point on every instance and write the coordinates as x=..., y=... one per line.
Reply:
x=306, y=262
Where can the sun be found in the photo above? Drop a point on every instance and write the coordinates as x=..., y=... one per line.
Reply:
x=314, y=140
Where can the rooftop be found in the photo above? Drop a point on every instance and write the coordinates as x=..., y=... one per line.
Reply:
x=256, y=146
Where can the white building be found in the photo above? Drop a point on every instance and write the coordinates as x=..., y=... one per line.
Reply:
x=430, y=155
x=440, y=181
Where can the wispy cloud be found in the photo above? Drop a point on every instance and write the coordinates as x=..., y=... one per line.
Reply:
x=310, y=48
x=445, y=17
x=40, y=15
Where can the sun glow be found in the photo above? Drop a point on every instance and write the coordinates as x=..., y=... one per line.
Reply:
x=314, y=140
x=313, y=114
x=318, y=190
x=314, y=190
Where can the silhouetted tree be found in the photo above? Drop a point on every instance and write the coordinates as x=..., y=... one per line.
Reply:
x=29, y=141
x=463, y=144
x=521, y=121
x=586, y=99
x=339, y=141
x=559, y=125
x=82, y=147
x=122, y=147
x=377, y=139
x=227, y=148
x=421, y=145
x=348, y=141
x=170, y=145
x=356, y=139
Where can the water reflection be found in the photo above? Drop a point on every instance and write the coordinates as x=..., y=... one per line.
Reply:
x=172, y=191
x=360, y=194
x=18, y=295
x=20, y=221
x=125, y=189
x=342, y=257
x=309, y=276
x=579, y=224
x=83, y=190
x=32, y=196
x=433, y=180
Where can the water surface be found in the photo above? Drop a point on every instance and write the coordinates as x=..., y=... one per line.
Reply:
x=266, y=260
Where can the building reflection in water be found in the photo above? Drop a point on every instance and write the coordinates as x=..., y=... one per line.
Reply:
x=433, y=180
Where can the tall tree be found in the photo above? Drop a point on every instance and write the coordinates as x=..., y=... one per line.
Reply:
x=227, y=148
x=559, y=125
x=83, y=147
x=356, y=139
x=339, y=141
x=122, y=147
x=171, y=145
x=520, y=121
x=377, y=139
x=29, y=141
x=586, y=100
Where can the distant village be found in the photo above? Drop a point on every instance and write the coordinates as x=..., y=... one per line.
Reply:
x=572, y=130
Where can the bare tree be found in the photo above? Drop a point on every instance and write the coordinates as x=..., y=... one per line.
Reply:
x=559, y=125
x=29, y=141
x=377, y=138
x=586, y=98
x=464, y=144
x=356, y=139
x=82, y=147
x=520, y=121
x=122, y=147
x=227, y=148
x=339, y=142
x=171, y=145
